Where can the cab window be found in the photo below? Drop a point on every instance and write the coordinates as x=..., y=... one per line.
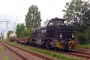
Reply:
x=51, y=23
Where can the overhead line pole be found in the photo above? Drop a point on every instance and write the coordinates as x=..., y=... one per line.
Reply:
x=6, y=24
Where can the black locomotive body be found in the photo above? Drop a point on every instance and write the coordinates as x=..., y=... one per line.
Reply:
x=56, y=34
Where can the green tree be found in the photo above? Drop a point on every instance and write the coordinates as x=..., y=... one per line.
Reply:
x=75, y=11
x=9, y=32
x=19, y=30
x=33, y=18
x=83, y=34
x=27, y=33
x=87, y=19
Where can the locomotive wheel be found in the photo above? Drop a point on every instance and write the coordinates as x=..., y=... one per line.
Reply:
x=48, y=46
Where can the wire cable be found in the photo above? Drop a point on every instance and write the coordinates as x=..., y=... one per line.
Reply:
x=50, y=7
x=16, y=9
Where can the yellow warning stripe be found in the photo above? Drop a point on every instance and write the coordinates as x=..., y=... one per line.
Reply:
x=58, y=44
x=74, y=43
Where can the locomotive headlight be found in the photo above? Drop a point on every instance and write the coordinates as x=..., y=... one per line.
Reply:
x=72, y=34
x=61, y=35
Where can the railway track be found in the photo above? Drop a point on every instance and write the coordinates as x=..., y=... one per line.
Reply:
x=22, y=56
x=72, y=53
x=78, y=54
x=75, y=53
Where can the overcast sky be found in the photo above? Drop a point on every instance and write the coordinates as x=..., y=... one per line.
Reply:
x=15, y=10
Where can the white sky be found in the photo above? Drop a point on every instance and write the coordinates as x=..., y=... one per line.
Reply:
x=15, y=10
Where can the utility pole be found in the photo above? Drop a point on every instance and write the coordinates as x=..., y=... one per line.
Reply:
x=6, y=24
x=14, y=28
x=3, y=33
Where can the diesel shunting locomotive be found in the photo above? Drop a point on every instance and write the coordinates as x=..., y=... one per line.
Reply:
x=55, y=34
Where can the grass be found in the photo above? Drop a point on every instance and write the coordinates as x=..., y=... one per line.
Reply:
x=84, y=46
x=42, y=51
x=6, y=58
x=1, y=50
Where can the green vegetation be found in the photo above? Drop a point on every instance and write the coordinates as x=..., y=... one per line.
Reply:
x=75, y=11
x=33, y=18
x=84, y=46
x=42, y=51
x=1, y=50
x=83, y=34
x=6, y=58
x=9, y=32
x=78, y=13
x=27, y=33
x=32, y=21
x=19, y=29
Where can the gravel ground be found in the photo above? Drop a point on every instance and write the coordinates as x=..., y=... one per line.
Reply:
x=26, y=54
x=8, y=54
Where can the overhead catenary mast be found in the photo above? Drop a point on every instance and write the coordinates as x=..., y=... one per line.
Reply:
x=7, y=22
